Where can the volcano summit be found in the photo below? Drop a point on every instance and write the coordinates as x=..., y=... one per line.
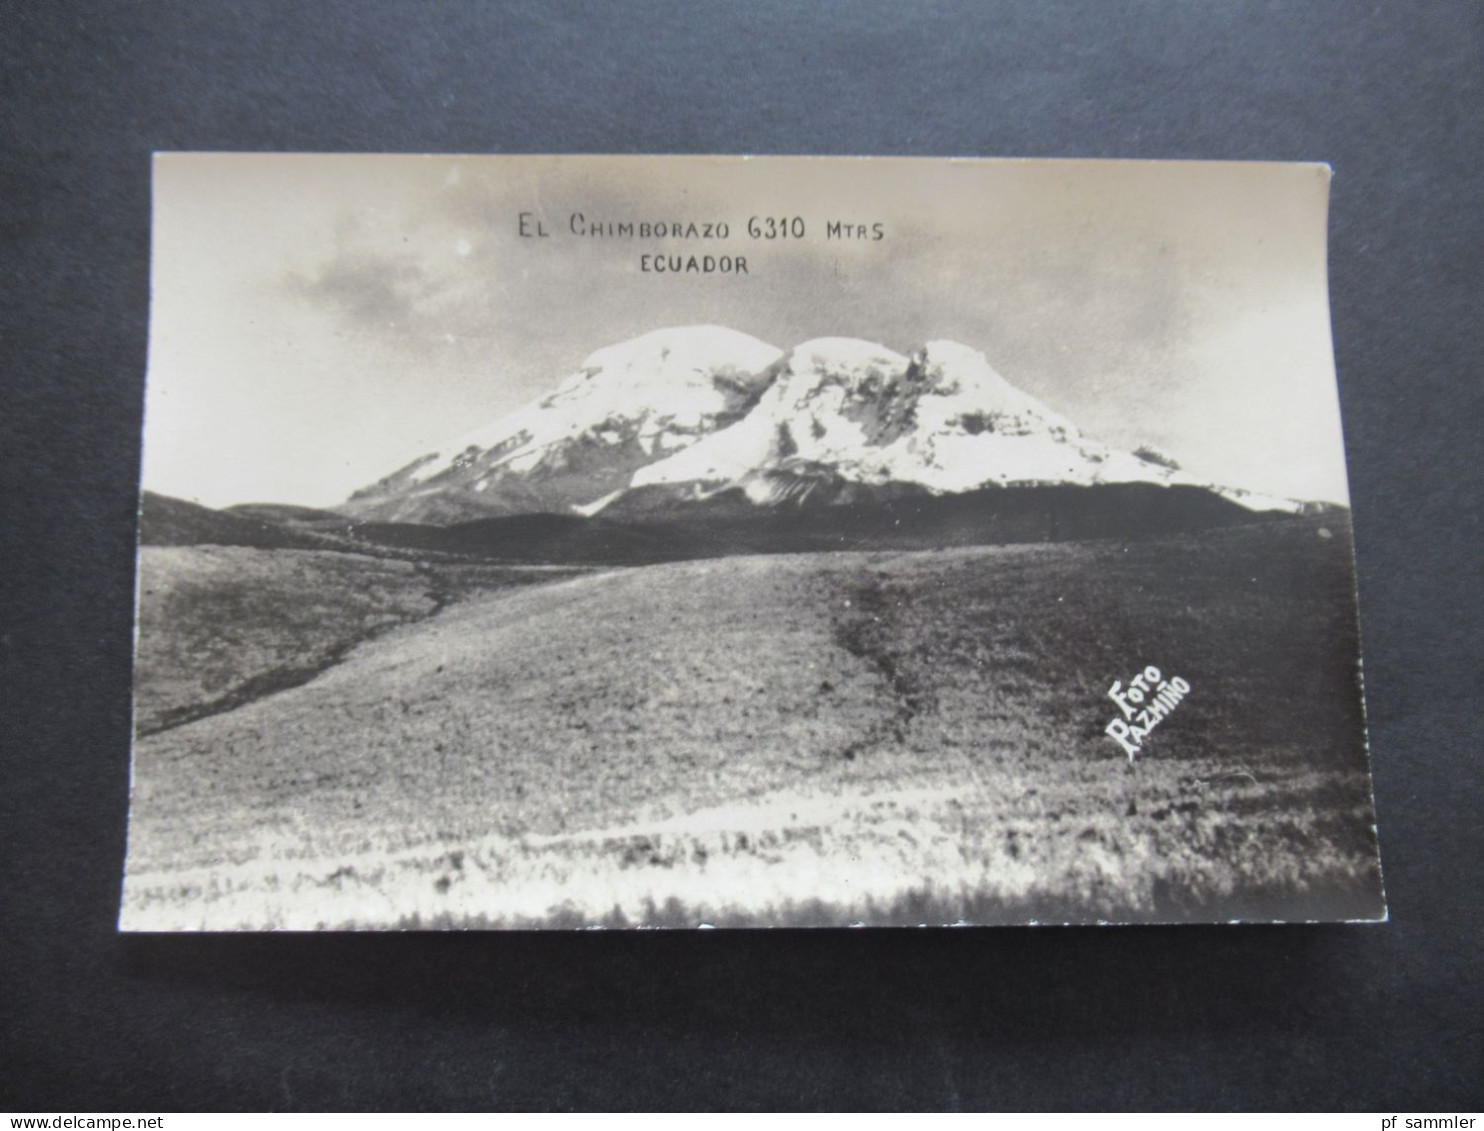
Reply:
x=691, y=412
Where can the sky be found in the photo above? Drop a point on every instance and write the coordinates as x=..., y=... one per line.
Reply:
x=319, y=321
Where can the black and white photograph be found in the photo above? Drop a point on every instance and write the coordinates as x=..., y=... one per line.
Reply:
x=621, y=542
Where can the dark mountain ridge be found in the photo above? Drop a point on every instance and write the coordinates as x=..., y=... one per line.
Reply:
x=167, y=521
x=728, y=523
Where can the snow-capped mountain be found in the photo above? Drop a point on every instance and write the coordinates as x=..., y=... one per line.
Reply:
x=628, y=406
x=683, y=414
x=942, y=418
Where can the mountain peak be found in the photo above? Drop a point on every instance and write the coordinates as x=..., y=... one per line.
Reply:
x=941, y=418
x=687, y=356
x=625, y=406
x=689, y=411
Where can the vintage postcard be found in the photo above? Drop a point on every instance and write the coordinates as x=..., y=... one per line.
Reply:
x=578, y=542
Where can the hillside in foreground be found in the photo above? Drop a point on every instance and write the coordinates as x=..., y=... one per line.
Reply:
x=224, y=625
x=885, y=737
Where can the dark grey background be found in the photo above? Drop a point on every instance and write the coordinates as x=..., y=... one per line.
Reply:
x=1253, y=1017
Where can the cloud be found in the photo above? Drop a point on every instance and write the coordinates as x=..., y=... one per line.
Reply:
x=403, y=281
x=370, y=290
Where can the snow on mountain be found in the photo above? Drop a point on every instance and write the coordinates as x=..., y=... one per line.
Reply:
x=692, y=411
x=942, y=418
x=626, y=406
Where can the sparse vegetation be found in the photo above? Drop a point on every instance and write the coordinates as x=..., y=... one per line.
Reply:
x=817, y=738
x=220, y=626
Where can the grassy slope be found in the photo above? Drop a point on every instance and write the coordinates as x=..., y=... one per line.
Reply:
x=814, y=738
x=223, y=625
